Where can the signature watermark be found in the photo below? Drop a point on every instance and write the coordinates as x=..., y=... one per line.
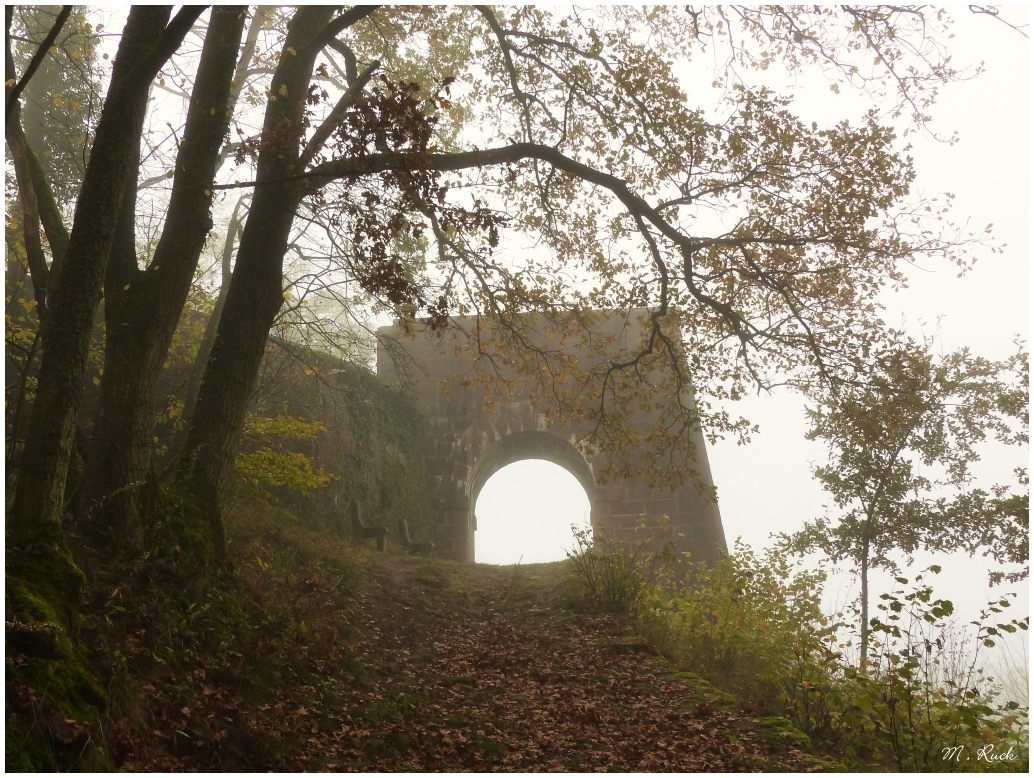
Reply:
x=984, y=754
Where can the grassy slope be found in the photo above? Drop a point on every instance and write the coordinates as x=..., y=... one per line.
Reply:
x=314, y=654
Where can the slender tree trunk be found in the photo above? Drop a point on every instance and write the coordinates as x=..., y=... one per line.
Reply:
x=143, y=307
x=36, y=551
x=49, y=214
x=197, y=371
x=240, y=75
x=256, y=290
x=864, y=631
x=38, y=269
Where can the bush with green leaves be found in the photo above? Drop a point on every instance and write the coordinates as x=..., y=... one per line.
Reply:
x=922, y=702
x=753, y=625
x=745, y=623
x=262, y=468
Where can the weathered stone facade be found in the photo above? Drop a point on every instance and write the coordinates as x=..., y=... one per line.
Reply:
x=465, y=444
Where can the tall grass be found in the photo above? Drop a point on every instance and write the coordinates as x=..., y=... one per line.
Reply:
x=617, y=574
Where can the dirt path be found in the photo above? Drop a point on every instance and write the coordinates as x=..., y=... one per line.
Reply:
x=487, y=668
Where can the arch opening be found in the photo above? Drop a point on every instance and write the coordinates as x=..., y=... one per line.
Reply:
x=525, y=510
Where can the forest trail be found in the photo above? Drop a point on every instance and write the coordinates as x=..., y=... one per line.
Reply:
x=476, y=667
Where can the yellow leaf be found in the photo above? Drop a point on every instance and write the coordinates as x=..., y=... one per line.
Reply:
x=212, y=111
x=283, y=89
x=9, y=82
x=124, y=288
x=58, y=100
x=208, y=192
x=293, y=52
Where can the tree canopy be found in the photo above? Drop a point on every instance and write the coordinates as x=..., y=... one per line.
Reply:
x=903, y=442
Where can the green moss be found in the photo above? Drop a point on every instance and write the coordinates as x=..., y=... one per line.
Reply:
x=43, y=584
x=180, y=532
x=699, y=692
x=50, y=686
x=45, y=670
x=24, y=753
x=65, y=680
x=782, y=733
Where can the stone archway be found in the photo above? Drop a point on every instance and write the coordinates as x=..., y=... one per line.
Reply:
x=464, y=444
x=519, y=446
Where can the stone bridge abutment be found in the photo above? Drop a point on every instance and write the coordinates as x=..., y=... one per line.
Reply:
x=465, y=441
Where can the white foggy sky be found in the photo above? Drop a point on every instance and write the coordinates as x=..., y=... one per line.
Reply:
x=767, y=487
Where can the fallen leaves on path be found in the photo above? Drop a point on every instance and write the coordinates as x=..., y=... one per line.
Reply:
x=494, y=685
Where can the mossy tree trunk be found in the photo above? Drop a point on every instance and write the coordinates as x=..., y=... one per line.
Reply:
x=36, y=552
x=143, y=307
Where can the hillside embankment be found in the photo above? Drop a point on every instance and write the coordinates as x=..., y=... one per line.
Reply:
x=313, y=654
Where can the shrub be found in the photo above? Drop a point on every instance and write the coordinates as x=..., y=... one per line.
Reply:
x=616, y=573
x=753, y=625
x=260, y=470
x=922, y=702
x=745, y=624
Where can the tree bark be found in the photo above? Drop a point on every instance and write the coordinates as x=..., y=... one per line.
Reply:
x=256, y=289
x=143, y=307
x=19, y=147
x=35, y=541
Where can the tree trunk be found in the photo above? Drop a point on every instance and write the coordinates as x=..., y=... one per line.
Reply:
x=864, y=631
x=143, y=307
x=15, y=137
x=36, y=551
x=197, y=370
x=256, y=290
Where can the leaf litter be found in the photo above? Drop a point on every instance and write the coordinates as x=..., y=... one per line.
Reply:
x=473, y=679
x=421, y=666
